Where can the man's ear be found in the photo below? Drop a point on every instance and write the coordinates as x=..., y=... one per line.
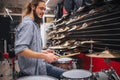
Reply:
x=33, y=7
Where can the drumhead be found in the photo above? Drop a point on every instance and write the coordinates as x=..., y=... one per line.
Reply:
x=64, y=60
x=77, y=73
x=37, y=78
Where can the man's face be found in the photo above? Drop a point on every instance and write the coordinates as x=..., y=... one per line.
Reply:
x=40, y=9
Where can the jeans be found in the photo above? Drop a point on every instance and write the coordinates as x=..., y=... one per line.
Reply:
x=54, y=71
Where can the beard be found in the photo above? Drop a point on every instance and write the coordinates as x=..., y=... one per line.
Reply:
x=36, y=18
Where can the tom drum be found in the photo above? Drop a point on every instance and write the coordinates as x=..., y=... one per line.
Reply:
x=37, y=78
x=65, y=63
x=77, y=74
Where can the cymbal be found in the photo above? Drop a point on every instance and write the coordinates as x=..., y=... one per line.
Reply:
x=67, y=43
x=52, y=32
x=63, y=29
x=60, y=36
x=104, y=54
x=73, y=28
x=57, y=47
x=69, y=55
x=64, y=45
x=91, y=41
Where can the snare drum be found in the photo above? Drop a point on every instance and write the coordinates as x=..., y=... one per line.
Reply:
x=65, y=63
x=43, y=77
x=77, y=74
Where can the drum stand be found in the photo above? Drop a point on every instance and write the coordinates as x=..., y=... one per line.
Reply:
x=91, y=51
x=111, y=71
x=10, y=61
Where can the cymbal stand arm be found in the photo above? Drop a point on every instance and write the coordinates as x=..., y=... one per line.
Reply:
x=107, y=61
x=91, y=51
x=91, y=64
x=8, y=12
x=5, y=54
x=5, y=46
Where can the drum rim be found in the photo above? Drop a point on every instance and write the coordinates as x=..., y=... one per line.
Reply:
x=69, y=60
x=78, y=70
x=39, y=76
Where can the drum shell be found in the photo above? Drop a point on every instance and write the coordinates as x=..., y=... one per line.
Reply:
x=65, y=63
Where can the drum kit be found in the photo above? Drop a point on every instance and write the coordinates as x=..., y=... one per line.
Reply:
x=82, y=74
x=72, y=73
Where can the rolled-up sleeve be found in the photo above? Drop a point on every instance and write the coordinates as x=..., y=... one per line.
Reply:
x=23, y=36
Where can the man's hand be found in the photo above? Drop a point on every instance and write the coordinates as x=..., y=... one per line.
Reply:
x=50, y=57
x=48, y=51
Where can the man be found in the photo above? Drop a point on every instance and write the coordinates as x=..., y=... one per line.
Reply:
x=28, y=44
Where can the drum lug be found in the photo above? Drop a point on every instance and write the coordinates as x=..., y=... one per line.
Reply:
x=74, y=63
x=96, y=76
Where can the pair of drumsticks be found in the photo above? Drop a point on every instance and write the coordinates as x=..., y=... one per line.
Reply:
x=68, y=55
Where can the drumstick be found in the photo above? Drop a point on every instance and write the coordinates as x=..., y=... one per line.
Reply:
x=60, y=56
x=69, y=55
x=57, y=54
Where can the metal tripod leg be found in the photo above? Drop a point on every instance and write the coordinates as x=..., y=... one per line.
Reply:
x=114, y=74
x=91, y=64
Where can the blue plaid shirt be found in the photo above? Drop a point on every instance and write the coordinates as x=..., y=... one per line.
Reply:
x=28, y=36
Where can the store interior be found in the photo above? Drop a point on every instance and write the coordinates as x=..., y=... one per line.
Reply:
x=85, y=34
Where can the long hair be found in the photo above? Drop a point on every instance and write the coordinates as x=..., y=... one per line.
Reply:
x=27, y=9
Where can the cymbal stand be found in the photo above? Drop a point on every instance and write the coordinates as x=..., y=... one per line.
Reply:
x=12, y=63
x=8, y=12
x=6, y=59
x=91, y=51
x=111, y=71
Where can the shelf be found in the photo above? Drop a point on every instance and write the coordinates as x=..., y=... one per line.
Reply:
x=53, y=3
